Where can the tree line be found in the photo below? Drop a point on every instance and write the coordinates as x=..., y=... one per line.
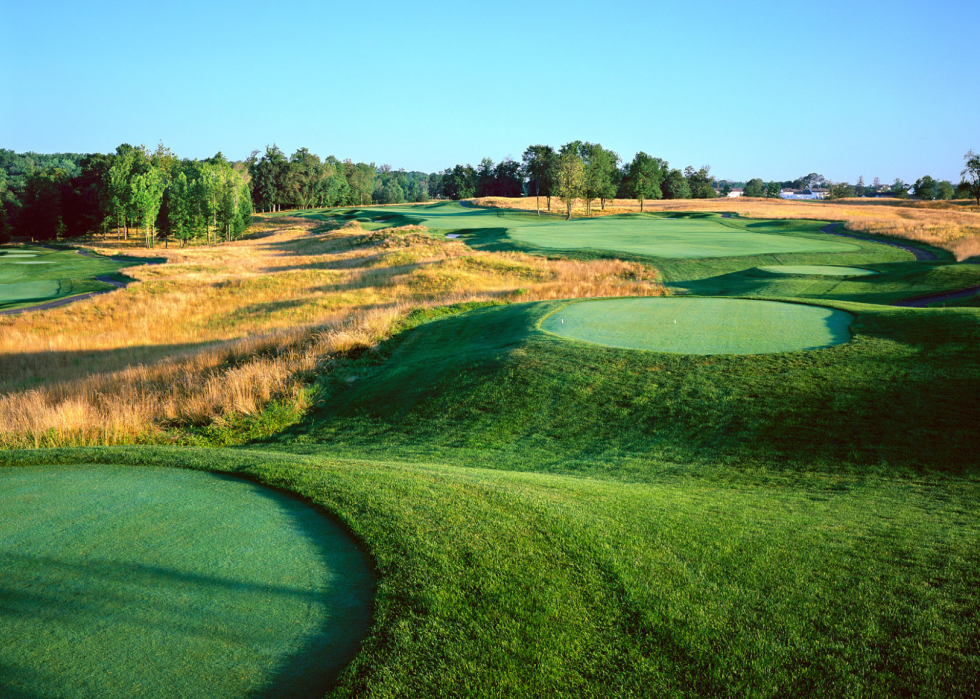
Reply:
x=577, y=170
x=154, y=194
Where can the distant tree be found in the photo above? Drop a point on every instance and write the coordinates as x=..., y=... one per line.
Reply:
x=41, y=215
x=859, y=188
x=900, y=189
x=147, y=188
x=539, y=162
x=180, y=210
x=840, y=190
x=642, y=177
x=754, y=188
x=509, y=179
x=971, y=174
x=773, y=190
x=726, y=188
x=568, y=176
x=945, y=190
x=595, y=172
x=675, y=186
x=700, y=182
x=926, y=188
x=876, y=184
x=486, y=178
x=611, y=180
x=459, y=182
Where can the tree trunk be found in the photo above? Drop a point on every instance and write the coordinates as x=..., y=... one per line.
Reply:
x=537, y=198
x=568, y=203
x=549, y=202
x=641, y=205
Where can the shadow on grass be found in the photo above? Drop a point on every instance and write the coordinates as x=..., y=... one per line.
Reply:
x=69, y=600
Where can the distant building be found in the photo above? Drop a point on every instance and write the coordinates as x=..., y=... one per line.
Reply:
x=810, y=194
x=736, y=193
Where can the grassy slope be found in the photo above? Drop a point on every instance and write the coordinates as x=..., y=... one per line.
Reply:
x=489, y=388
x=64, y=273
x=517, y=584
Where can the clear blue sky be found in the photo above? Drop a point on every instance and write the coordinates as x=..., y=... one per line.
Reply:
x=771, y=90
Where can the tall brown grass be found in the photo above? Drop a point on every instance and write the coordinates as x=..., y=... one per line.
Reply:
x=953, y=226
x=220, y=332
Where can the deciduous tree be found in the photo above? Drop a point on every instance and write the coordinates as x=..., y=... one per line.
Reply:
x=642, y=178
x=568, y=176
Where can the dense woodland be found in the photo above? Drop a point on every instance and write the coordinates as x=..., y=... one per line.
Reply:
x=157, y=196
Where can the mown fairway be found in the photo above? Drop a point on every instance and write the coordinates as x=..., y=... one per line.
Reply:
x=32, y=275
x=819, y=270
x=700, y=326
x=553, y=516
x=120, y=582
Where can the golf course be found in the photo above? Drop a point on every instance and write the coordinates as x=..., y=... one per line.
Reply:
x=31, y=276
x=671, y=454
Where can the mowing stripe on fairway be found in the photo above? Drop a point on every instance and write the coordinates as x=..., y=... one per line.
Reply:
x=157, y=582
x=701, y=325
x=822, y=270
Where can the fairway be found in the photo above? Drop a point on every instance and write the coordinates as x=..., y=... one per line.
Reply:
x=124, y=581
x=701, y=325
x=670, y=238
x=821, y=270
x=650, y=236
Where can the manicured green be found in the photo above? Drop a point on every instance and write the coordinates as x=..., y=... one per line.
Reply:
x=158, y=582
x=820, y=270
x=31, y=275
x=700, y=325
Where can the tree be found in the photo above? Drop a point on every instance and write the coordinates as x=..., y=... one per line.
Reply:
x=539, y=162
x=568, y=176
x=179, y=207
x=900, y=189
x=674, y=185
x=773, y=190
x=459, y=182
x=754, y=188
x=876, y=184
x=945, y=190
x=41, y=213
x=597, y=166
x=147, y=188
x=841, y=190
x=925, y=188
x=642, y=178
x=700, y=182
x=859, y=188
x=971, y=174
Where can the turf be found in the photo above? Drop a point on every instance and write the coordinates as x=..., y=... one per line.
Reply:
x=52, y=274
x=121, y=582
x=821, y=270
x=702, y=326
x=523, y=584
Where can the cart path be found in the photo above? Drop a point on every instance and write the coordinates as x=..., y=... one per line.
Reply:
x=919, y=253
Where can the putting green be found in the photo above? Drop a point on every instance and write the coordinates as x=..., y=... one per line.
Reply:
x=823, y=270
x=701, y=325
x=125, y=581
x=30, y=291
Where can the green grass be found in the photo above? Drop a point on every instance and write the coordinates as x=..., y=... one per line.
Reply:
x=821, y=270
x=159, y=582
x=701, y=326
x=490, y=388
x=52, y=274
x=524, y=584
x=554, y=517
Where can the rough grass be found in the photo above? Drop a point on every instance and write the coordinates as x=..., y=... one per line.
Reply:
x=220, y=333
